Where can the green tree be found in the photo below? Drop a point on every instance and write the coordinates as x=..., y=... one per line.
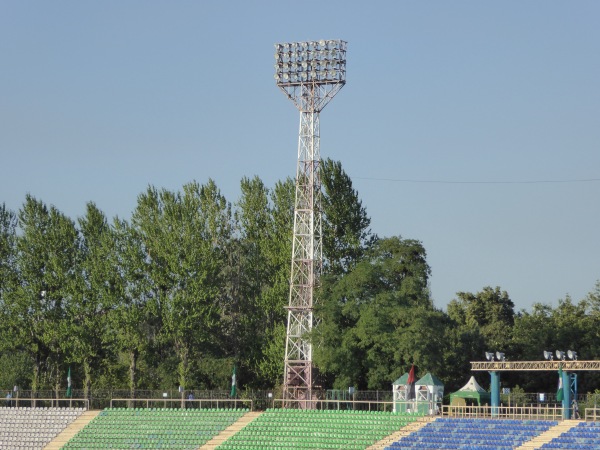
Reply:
x=346, y=233
x=131, y=324
x=491, y=311
x=8, y=237
x=184, y=236
x=46, y=262
x=378, y=317
x=263, y=221
x=95, y=295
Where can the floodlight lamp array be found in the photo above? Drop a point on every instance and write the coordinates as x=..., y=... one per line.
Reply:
x=321, y=61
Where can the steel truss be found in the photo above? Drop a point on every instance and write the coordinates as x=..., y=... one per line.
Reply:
x=515, y=366
x=310, y=74
x=307, y=248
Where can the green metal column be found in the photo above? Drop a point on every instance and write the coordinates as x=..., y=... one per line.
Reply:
x=566, y=403
x=495, y=387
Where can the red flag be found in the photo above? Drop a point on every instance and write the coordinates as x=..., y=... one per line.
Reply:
x=411, y=375
x=410, y=384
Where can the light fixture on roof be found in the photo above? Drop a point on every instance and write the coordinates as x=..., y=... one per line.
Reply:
x=500, y=356
x=560, y=355
x=489, y=356
x=548, y=355
x=572, y=355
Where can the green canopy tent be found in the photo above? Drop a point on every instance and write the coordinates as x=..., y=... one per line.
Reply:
x=470, y=393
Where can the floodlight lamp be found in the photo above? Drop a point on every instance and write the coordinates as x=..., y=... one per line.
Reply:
x=572, y=355
x=548, y=355
x=489, y=356
x=560, y=355
x=500, y=356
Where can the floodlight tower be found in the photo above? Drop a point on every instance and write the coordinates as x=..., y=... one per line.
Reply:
x=310, y=74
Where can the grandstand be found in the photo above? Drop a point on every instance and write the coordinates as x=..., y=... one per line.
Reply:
x=317, y=429
x=154, y=428
x=282, y=429
x=33, y=428
x=585, y=435
x=468, y=433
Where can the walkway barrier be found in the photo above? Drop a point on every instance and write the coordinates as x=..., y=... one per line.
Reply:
x=22, y=402
x=342, y=405
x=592, y=414
x=205, y=403
x=539, y=412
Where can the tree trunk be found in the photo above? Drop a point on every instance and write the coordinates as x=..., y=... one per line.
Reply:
x=36, y=378
x=87, y=382
x=57, y=383
x=133, y=355
x=183, y=366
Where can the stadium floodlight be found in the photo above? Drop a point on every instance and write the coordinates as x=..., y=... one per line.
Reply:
x=489, y=356
x=560, y=355
x=323, y=62
x=572, y=355
x=310, y=74
x=548, y=355
x=500, y=356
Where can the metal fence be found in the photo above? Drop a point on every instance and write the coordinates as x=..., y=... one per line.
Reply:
x=538, y=412
x=342, y=405
x=182, y=403
x=262, y=399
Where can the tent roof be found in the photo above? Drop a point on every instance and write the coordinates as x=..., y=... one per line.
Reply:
x=471, y=390
x=472, y=386
x=402, y=380
x=429, y=380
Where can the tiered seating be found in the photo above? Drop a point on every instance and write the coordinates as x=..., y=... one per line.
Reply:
x=33, y=428
x=473, y=434
x=125, y=428
x=314, y=429
x=584, y=436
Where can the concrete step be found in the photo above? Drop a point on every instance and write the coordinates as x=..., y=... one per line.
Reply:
x=404, y=431
x=71, y=430
x=550, y=434
x=230, y=430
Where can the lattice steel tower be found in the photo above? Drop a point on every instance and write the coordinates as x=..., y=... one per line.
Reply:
x=310, y=74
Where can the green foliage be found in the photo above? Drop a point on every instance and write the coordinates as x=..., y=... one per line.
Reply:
x=193, y=284
x=378, y=318
x=490, y=311
x=346, y=234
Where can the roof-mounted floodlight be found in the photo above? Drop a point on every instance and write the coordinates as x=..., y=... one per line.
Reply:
x=560, y=355
x=572, y=355
x=489, y=356
x=548, y=355
x=500, y=356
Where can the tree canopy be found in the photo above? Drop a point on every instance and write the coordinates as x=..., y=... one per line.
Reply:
x=193, y=284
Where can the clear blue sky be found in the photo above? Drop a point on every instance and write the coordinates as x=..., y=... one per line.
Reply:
x=100, y=99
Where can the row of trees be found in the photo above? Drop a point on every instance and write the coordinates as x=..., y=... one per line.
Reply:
x=192, y=284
